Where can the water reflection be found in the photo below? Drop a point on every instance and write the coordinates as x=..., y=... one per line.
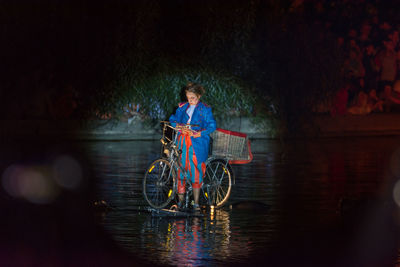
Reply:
x=309, y=186
x=179, y=241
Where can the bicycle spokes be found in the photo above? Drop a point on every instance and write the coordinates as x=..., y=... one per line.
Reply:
x=217, y=183
x=158, y=184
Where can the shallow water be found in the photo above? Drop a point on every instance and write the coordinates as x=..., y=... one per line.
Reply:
x=305, y=202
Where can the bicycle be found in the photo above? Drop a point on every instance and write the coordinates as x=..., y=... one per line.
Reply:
x=160, y=179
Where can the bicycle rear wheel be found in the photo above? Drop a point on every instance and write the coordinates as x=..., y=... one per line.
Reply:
x=159, y=184
x=217, y=183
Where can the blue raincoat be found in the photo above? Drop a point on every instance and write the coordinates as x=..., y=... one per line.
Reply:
x=203, y=117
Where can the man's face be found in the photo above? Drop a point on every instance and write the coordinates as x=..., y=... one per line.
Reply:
x=192, y=98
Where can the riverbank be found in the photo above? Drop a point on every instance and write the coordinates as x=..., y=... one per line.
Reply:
x=320, y=126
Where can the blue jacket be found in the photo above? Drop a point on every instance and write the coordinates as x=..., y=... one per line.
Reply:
x=203, y=117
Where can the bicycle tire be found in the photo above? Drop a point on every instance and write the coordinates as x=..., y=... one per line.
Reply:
x=159, y=183
x=217, y=183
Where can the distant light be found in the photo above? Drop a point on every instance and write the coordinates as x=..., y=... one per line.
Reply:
x=395, y=163
x=67, y=172
x=396, y=193
x=33, y=183
x=11, y=180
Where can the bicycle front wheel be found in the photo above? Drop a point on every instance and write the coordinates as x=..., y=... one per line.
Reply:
x=159, y=184
x=217, y=183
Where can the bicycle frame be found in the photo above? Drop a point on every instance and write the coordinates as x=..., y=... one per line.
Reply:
x=160, y=180
x=173, y=156
x=172, y=152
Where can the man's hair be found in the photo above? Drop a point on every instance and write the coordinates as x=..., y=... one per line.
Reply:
x=195, y=88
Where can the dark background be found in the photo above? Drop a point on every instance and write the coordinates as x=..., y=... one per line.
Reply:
x=50, y=46
x=283, y=53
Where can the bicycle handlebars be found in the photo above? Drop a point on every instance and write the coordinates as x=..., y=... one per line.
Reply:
x=182, y=127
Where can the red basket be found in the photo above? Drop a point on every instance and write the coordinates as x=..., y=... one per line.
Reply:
x=233, y=145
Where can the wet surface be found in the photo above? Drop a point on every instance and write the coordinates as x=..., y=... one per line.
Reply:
x=324, y=202
x=320, y=202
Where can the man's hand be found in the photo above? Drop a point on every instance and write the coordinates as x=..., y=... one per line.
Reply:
x=195, y=134
x=186, y=131
x=182, y=128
